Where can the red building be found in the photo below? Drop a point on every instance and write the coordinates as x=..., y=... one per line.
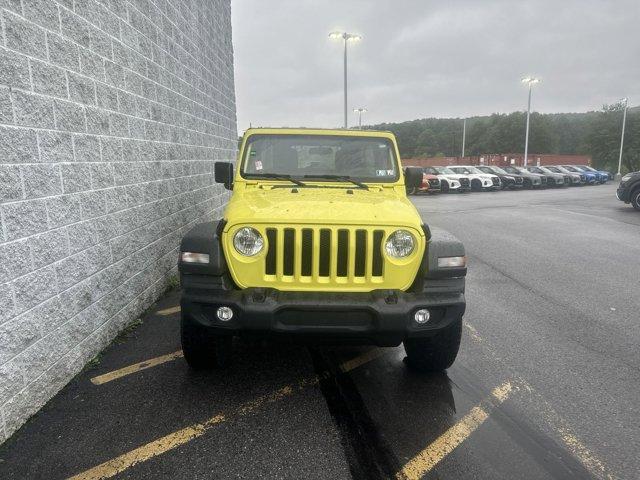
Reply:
x=499, y=159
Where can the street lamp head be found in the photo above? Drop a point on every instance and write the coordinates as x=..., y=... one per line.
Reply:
x=359, y=110
x=530, y=80
x=345, y=36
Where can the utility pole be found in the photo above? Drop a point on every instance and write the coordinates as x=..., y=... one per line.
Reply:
x=464, y=134
x=359, y=111
x=530, y=81
x=346, y=38
x=624, y=121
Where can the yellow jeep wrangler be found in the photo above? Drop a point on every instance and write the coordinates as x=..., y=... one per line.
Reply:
x=320, y=243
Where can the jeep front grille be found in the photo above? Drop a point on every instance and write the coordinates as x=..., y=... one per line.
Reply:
x=311, y=253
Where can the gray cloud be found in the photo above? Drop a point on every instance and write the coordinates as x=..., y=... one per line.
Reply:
x=430, y=58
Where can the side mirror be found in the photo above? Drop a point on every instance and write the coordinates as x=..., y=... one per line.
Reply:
x=223, y=173
x=412, y=177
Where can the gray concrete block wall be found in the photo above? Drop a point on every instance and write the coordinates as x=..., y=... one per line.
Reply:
x=112, y=114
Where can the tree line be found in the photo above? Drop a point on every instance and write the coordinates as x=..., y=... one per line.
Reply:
x=594, y=133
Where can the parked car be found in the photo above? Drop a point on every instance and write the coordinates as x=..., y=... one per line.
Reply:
x=508, y=180
x=553, y=179
x=320, y=251
x=629, y=189
x=592, y=178
x=603, y=176
x=450, y=181
x=531, y=180
x=576, y=178
x=479, y=180
x=430, y=184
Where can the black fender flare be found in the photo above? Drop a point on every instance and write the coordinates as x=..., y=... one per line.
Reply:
x=204, y=238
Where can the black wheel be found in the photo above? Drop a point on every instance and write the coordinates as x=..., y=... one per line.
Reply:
x=635, y=198
x=436, y=353
x=204, y=350
x=476, y=185
x=444, y=185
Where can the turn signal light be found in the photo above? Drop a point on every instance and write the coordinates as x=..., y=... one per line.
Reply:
x=192, y=257
x=452, y=262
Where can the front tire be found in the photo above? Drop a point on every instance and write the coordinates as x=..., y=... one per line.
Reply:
x=436, y=353
x=476, y=185
x=203, y=350
x=635, y=199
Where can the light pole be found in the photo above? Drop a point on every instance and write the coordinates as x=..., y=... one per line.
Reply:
x=530, y=81
x=624, y=121
x=464, y=134
x=346, y=37
x=359, y=111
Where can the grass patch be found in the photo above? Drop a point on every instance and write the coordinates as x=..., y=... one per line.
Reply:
x=93, y=363
x=128, y=330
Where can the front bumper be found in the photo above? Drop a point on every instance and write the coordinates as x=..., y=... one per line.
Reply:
x=379, y=317
x=623, y=195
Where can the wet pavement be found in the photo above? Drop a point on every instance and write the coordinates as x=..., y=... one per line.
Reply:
x=546, y=384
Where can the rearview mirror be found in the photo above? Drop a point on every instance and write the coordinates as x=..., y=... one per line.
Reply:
x=413, y=177
x=223, y=173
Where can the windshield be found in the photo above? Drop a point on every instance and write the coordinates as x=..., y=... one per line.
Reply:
x=512, y=170
x=578, y=169
x=498, y=170
x=553, y=169
x=444, y=171
x=430, y=170
x=474, y=170
x=588, y=169
x=486, y=169
x=320, y=156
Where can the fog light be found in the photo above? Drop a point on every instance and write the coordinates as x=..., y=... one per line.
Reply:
x=422, y=316
x=224, y=313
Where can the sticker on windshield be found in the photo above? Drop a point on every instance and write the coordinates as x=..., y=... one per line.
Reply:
x=384, y=173
x=258, y=164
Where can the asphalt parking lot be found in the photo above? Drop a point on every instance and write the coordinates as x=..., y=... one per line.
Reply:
x=546, y=384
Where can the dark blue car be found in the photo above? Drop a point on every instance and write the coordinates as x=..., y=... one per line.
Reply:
x=604, y=175
x=592, y=178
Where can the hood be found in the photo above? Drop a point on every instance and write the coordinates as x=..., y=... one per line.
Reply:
x=376, y=206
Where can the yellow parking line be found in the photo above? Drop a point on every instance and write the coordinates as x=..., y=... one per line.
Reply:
x=168, y=442
x=137, y=367
x=169, y=311
x=454, y=436
x=552, y=417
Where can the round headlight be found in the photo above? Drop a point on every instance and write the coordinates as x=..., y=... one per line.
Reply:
x=400, y=244
x=248, y=241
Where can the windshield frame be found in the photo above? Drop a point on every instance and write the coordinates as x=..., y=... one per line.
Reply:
x=312, y=178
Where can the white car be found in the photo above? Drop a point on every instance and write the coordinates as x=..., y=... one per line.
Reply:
x=449, y=180
x=479, y=179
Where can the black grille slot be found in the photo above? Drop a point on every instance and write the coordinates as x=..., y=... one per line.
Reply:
x=307, y=252
x=361, y=250
x=495, y=180
x=270, y=264
x=376, y=267
x=343, y=253
x=464, y=182
x=325, y=252
x=288, y=251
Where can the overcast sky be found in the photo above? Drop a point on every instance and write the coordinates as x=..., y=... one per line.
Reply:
x=422, y=58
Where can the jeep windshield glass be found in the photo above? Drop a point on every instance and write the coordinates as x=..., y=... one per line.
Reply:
x=320, y=158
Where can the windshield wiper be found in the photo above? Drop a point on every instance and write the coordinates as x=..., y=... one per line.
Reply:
x=276, y=176
x=345, y=178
